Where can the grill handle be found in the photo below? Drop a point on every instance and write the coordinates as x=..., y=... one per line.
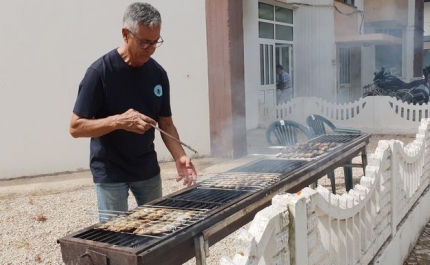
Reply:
x=91, y=257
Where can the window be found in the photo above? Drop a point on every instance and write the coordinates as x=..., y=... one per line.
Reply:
x=275, y=22
x=389, y=56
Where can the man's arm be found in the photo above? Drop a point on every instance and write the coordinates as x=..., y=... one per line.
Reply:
x=130, y=120
x=184, y=166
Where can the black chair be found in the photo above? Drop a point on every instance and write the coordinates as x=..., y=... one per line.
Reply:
x=285, y=132
x=318, y=126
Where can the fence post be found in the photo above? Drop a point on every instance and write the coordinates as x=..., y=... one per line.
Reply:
x=394, y=176
x=298, y=230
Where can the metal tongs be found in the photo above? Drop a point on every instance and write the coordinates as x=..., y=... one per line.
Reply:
x=177, y=140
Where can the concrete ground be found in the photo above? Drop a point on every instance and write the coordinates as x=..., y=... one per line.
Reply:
x=257, y=146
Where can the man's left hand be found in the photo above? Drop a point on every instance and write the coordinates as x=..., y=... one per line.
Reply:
x=186, y=171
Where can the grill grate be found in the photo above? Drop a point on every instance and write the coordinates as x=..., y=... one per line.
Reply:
x=142, y=225
x=202, y=199
x=240, y=181
x=335, y=138
x=271, y=166
x=315, y=148
x=114, y=238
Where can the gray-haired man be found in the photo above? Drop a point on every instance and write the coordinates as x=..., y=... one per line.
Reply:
x=121, y=97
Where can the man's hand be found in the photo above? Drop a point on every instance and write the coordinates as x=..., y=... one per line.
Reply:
x=134, y=121
x=186, y=171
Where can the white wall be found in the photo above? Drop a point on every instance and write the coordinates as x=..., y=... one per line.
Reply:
x=314, y=49
x=47, y=47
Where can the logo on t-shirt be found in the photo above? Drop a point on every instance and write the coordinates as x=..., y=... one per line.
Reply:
x=158, y=90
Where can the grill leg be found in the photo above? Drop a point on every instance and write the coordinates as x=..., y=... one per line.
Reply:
x=348, y=177
x=332, y=178
x=201, y=247
x=364, y=159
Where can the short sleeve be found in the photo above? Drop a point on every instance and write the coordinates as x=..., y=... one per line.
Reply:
x=90, y=95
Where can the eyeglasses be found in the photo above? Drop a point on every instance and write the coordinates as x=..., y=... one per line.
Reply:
x=145, y=44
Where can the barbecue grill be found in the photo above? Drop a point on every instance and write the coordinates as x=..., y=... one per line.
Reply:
x=224, y=202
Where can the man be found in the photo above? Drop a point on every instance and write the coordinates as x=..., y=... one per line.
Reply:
x=283, y=85
x=122, y=96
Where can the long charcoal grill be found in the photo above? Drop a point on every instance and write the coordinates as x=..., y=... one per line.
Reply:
x=225, y=210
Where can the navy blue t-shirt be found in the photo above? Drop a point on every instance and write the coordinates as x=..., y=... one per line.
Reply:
x=110, y=87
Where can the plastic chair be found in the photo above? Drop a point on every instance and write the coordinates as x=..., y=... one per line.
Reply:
x=318, y=125
x=285, y=132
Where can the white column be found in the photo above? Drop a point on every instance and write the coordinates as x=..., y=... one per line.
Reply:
x=394, y=180
x=360, y=7
x=408, y=49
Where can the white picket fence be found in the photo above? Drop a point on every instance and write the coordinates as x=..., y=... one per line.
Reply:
x=381, y=114
x=377, y=222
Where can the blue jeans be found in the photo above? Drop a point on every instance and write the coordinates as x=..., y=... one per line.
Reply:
x=114, y=196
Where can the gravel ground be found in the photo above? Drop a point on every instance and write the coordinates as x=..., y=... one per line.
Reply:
x=31, y=224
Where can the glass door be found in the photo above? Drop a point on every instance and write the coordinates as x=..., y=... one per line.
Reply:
x=275, y=32
x=267, y=74
x=272, y=54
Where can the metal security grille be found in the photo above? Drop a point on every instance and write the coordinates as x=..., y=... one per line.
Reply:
x=344, y=66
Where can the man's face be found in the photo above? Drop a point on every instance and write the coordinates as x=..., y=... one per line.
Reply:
x=278, y=70
x=142, y=43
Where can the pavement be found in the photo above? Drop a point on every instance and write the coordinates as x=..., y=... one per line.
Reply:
x=257, y=146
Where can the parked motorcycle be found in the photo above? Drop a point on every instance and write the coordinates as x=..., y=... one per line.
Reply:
x=386, y=84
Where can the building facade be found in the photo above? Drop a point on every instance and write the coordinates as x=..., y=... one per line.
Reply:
x=220, y=57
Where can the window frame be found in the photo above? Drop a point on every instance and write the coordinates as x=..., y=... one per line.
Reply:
x=273, y=41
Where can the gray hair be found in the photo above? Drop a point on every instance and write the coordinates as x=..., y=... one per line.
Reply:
x=142, y=14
